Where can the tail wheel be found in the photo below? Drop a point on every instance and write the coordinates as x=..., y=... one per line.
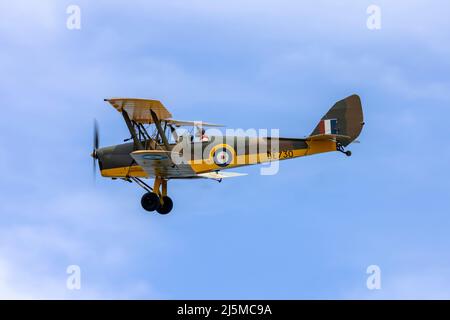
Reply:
x=150, y=201
x=166, y=207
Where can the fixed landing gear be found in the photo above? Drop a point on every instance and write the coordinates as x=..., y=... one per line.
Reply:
x=166, y=205
x=340, y=148
x=154, y=199
x=150, y=201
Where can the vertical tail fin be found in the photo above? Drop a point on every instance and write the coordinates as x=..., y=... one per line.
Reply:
x=344, y=119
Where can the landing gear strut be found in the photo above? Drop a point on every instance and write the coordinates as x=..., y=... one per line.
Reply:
x=340, y=148
x=166, y=203
x=155, y=199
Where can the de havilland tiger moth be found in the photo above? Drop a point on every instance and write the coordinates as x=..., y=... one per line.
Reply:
x=157, y=151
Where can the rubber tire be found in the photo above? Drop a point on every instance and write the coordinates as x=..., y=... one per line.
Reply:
x=166, y=207
x=150, y=201
x=348, y=153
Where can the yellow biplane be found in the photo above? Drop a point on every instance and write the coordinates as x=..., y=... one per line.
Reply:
x=162, y=148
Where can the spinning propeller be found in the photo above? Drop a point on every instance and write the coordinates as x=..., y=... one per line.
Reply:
x=95, y=147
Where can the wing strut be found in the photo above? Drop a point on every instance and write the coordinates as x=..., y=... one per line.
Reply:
x=137, y=142
x=160, y=130
x=142, y=184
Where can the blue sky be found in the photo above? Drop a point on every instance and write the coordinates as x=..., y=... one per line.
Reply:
x=308, y=232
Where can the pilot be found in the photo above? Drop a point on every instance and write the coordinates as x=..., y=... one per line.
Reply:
x=203, y=136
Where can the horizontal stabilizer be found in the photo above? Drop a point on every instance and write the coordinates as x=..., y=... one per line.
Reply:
x=220, y=175
x=330, y=137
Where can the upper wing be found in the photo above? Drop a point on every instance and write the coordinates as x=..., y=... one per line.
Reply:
x=158, y=163
x=139, y=109
x=192, y=123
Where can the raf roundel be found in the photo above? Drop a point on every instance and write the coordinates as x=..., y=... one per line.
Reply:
x=222, y=157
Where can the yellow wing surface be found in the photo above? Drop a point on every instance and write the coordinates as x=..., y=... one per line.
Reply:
x=139, y=109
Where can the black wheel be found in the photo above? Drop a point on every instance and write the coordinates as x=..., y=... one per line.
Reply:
x=348, y=153
x=150, y=201
x=166, y=207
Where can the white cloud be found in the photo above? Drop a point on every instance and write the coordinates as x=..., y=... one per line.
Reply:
x=76, y=228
